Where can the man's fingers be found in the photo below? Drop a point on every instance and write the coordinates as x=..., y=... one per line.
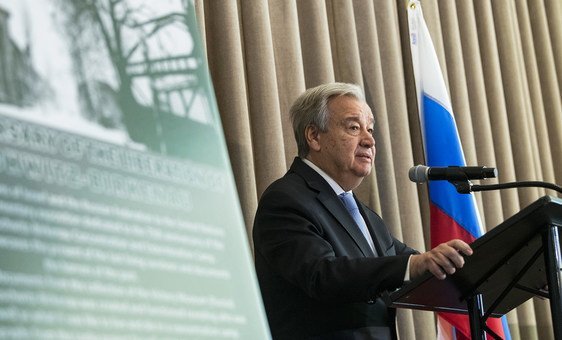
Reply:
x=437, y=271
x=460, y=246
x=445, y=253
x=453, y=256
x=443, y=261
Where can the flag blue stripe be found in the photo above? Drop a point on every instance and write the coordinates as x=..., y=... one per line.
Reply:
x=443, y=149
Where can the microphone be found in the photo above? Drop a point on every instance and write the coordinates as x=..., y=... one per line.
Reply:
x=421, y=173
x=459, y=176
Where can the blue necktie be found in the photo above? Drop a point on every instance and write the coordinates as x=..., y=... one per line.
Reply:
x=353, y=209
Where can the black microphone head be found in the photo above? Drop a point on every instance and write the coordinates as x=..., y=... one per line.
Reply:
x=478, y=172
x=490, y=172
x=418, y=173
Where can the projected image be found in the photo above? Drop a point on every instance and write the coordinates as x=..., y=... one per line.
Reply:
x=123, y=71
x=119, y=217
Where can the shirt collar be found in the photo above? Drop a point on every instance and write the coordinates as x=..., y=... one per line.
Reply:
x=333, y=184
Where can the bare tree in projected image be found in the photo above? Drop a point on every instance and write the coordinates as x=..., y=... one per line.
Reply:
x=20, y=84
x=170, y=103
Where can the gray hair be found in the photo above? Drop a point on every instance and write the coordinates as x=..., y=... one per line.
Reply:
x=311, y=108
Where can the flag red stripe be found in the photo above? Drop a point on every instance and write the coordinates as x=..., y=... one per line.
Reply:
x=444, y=228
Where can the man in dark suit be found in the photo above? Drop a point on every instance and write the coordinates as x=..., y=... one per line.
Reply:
x=324, y=260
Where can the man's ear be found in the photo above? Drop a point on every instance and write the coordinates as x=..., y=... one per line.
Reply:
x=312, y=134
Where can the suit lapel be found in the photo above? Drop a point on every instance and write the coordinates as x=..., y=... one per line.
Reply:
x=333, y=204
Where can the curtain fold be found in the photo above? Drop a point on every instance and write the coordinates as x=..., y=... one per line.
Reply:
x=549, y=86
x=263, y=99
x=537, y=109
x=315, y=39
x=526, y=60
x=458, y=85
x=554, y=13
x=478, y=103
x=288, y=65
x=226, y=63
x=502, y=61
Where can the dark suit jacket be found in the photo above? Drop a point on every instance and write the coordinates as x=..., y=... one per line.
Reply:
x=316, y=271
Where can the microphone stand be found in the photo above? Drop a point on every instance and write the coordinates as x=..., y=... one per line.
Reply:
x=465, y=187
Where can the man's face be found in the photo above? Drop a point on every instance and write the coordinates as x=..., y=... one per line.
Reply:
x=346, y=151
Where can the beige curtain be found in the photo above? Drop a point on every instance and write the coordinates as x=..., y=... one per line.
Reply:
x=502, y=61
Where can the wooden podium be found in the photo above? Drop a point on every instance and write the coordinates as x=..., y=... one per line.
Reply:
x=511, y=264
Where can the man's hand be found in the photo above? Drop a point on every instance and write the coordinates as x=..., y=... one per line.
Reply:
x=441, y=261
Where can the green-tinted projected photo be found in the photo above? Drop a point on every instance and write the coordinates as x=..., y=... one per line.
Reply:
x=118, y=211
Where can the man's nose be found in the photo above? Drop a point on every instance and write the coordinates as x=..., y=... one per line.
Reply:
x=367, y=139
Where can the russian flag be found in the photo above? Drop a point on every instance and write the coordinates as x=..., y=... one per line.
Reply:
x=452, y=215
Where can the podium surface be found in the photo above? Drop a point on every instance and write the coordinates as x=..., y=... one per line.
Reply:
x=509, y=266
